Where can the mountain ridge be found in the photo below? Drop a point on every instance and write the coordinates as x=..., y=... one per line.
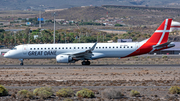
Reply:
x=58, y=4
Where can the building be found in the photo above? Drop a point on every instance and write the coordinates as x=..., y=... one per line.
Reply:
x=124, y=40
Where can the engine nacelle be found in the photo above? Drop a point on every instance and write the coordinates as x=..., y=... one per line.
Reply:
x=63, y=59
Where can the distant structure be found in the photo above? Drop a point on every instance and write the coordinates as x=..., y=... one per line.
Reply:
x=39, y=19
x=175, y=26
x=124, y=40
x=107, y=15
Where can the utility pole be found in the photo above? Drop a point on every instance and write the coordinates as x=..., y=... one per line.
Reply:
x=29, y=37
x=65, y=37
x=40, y=19
x=54, y=27
x=97, y=37
x=14, y=37
x=103, y=38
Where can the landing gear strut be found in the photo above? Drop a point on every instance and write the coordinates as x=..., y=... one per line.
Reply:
x=86, y=62
x=21, y=62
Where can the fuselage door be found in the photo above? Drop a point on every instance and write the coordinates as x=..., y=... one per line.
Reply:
x=25, y=49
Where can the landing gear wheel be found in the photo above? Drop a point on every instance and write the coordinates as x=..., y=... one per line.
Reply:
x=21, y=64
x=88, y=63
x=85, y=62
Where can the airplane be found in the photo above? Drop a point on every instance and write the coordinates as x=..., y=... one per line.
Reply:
x=72, y=52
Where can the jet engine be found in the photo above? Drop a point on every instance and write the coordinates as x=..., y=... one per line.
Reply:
x=64, y=59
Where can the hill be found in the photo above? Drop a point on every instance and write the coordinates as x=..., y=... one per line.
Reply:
x=130, y=16
x=56, y=4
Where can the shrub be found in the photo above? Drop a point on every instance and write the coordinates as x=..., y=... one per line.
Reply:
x=174, y=90
x=134, y=93
x=24, y=94
x=3, y=91
x=65, y=92
x=67, y=99
x=43, y=92
x=85, y=93
x=111, y=93
x=164, y=56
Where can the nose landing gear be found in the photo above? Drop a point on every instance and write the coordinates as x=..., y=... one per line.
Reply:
x=21, y=62
x=86, y=62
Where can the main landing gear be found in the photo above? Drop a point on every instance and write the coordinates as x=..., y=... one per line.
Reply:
x=86, y=62
x=21, y=62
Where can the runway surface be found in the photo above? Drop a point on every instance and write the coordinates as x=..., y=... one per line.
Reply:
x=91, y=66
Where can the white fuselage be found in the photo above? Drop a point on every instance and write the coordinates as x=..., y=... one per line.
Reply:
x=42, y=51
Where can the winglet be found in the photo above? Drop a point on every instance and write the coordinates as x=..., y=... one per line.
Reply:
x=93, y=47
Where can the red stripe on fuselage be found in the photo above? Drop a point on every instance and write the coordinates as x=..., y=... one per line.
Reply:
x=175, y=26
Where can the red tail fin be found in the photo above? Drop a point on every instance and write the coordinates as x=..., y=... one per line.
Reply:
x=160, y=36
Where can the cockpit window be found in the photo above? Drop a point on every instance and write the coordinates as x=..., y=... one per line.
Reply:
x=14, y=48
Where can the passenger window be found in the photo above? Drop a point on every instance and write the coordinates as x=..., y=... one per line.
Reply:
x=74, y=47
x=59, y=48
x=45, y=48
x=66, y=48
x=124, y=47
x=127, y=46
x=78, y=47
x=41, y=48
x=56, y=48
x=48, y=48
x=99, y=47
x=69, y=47
x=30, y=48
x=82, y=47
x=34, y=48
x=63, y=48
x=106, y=47
x=52, y=48
x=113, y=47
x=89, y=47
x=131, y=46
x=103, y=47
x=116, y=46
x=37, y=48
x=96, y=47
x=109, y=47
x=86, y=47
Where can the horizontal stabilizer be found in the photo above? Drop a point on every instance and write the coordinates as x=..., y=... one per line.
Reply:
x=162, y=45
x=167, y=44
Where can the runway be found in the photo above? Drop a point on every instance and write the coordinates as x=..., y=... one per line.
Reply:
x=90, y=66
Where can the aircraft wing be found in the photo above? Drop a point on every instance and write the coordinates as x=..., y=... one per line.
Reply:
x=83, y=54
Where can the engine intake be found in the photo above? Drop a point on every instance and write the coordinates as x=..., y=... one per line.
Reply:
x=63, y=59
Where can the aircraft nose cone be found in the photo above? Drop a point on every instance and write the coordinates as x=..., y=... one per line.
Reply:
x=6, y=55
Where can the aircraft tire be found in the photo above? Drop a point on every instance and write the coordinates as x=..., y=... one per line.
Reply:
x=83, y=63
x=88, y=63
x=21, y=64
